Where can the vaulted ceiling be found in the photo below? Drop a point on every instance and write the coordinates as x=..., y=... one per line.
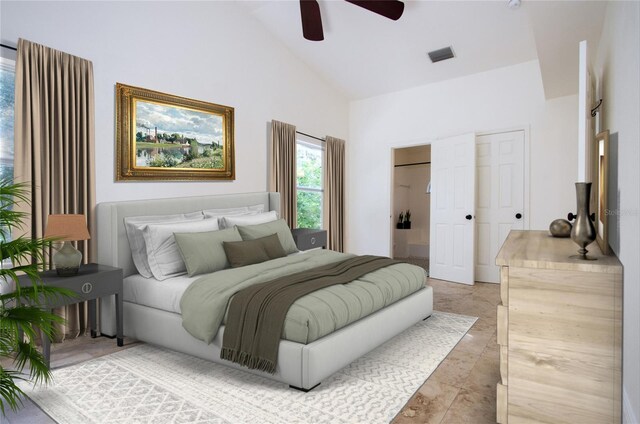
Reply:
x=365, y=54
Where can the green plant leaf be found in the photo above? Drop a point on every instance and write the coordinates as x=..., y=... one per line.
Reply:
x=22, y=315
x=10, y=393
x=38, y=370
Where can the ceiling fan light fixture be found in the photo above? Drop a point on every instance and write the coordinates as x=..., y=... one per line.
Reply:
x=513, y=4
x=441, y=54
x=391, y=9
x=312, y=21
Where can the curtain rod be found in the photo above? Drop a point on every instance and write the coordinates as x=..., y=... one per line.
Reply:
x=8, y=47
x=309, y=135
x=410, y=164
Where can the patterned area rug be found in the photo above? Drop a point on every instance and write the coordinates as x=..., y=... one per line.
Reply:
x=147, y=384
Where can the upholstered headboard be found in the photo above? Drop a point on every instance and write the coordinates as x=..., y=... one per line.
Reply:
x=113, y=245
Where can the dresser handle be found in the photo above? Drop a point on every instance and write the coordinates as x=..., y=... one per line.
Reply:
x=313, y=240
x=87, y=288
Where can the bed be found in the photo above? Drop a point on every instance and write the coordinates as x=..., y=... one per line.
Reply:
x=152, y=314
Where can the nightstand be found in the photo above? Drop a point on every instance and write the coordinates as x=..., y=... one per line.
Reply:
x=309, y=238
x=92, y=282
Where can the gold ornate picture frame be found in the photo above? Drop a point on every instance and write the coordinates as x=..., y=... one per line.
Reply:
x=601, y=180
x=162, y=137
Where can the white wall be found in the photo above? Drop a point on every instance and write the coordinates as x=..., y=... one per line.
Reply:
x=500, y=99
x=209, y=51
x=617, y=69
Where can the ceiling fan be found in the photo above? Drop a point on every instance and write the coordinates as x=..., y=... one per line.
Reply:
x=312, y=21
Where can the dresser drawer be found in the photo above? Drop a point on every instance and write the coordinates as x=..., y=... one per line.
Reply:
x=501, y=403
x=308, y=238
x=503, y=325
x=504, y=285
x=504, y=364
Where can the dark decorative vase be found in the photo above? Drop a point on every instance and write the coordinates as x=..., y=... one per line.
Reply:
x=406, y=225
x=583, y=232
x=560, y=228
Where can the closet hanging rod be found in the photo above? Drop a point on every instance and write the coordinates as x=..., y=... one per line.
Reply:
x=8, y=47
x=411, y=164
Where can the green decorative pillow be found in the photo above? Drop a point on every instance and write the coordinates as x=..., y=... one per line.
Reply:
x=279, y=227
x=203, y=252
x=249, y=252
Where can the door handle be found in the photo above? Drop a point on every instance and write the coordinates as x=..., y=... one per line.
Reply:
x=468, y=217
x=518, y=215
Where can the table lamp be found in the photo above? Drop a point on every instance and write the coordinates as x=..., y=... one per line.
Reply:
x=67, y=228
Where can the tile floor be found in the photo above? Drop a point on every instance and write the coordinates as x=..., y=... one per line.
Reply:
x=463, y=387
x=461, y=390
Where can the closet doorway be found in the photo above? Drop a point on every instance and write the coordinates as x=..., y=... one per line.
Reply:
x=411, y=204
x=478, y=196
x=464, y=194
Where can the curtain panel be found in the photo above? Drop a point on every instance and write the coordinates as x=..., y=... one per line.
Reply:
x=334, y=192
x=282, y=169
x=54, y=146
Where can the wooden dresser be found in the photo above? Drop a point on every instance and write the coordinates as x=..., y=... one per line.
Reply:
x=559, y=331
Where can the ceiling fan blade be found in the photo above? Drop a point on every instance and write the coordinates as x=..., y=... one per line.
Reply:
x=311, y=20
x=391, y=9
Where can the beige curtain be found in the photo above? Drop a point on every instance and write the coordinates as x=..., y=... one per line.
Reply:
x=334, y=192
x=54, y=146
x=282, y=168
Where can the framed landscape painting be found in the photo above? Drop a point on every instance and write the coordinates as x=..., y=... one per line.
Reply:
x=165, y=137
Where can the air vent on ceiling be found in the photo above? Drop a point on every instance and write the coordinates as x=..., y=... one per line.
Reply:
x=441, y=54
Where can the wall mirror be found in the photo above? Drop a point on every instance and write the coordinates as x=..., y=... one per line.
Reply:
x=601, y=169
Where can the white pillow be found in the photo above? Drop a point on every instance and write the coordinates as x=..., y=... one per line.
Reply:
x=261, y=218
x=134, y=225
x=243, y=210
x=162, y=251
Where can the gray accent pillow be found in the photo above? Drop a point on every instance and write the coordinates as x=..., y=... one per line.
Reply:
x=203, y=252
x=279, y=227
x=243, y=253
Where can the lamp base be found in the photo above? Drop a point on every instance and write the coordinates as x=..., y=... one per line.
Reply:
x=67, y=260
x=67, y=272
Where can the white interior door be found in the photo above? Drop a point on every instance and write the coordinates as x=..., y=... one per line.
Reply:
x=452, y=209
x=500, y=197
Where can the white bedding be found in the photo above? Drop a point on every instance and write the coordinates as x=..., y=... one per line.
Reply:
x=164, y=295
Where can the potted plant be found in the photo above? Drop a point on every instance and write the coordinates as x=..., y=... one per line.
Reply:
x=400, y=223
x=22, y=316
x=406, y=224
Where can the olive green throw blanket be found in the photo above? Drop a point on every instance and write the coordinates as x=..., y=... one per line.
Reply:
x=256, y=314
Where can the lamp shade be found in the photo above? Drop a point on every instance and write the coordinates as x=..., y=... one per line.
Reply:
x=67, y=227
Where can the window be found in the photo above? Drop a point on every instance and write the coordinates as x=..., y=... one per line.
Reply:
x=310, y=189
x=7, y=83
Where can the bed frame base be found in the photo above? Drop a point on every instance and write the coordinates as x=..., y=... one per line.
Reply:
x=303, y=390
x=299, y=365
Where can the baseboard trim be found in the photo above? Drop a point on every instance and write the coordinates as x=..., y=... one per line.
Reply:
x=628, y=414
